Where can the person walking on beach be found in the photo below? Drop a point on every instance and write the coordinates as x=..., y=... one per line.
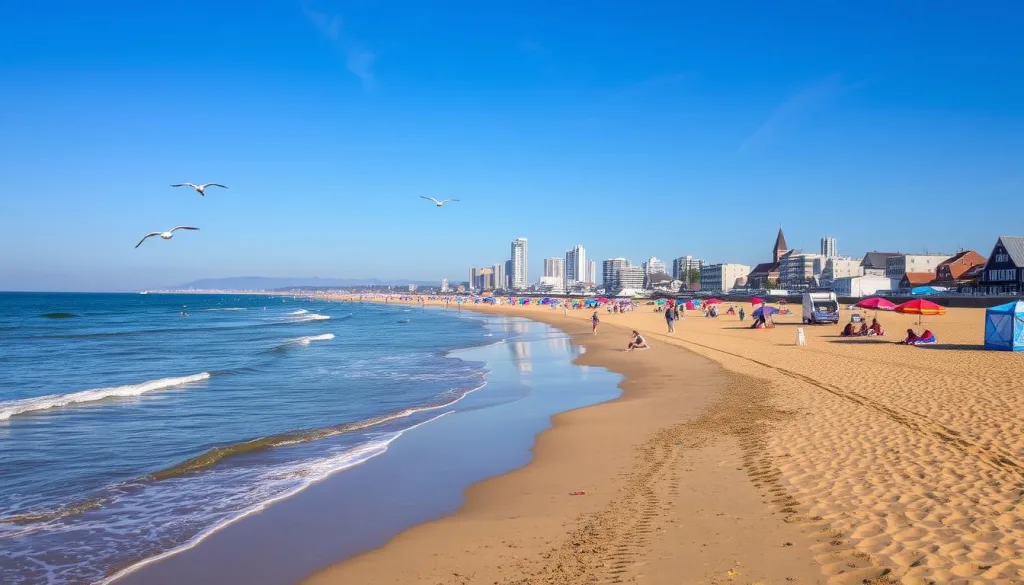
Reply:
x=594, y=321
x=670, y=320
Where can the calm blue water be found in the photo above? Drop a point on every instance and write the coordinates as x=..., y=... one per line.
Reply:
x=128, y=429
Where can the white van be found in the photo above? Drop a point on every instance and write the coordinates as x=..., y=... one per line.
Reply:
x=821, y=307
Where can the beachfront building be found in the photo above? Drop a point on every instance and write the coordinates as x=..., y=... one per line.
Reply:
x=444, y=285
x=898, y=265
x=508, y=275
x=654, y=265
x=1004, y=270
x=874, y=262
x=839, y=268
x=719, y=278
x=766, y=274
x=575, y=265
x=500, y=280
x=828, y=247
x=481, y=279
x=682, y=266
x=798, y=271
x=629, y=277
x=610, y=273
x=860, y=286
x=554, y=267
x=912, y=280
x=518, y=275
x=591, y=278
x=554, y=285
x=955, y=271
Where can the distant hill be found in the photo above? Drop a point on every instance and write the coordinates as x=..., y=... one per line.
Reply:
x=272, y=282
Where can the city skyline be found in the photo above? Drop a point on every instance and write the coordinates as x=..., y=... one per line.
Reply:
x=328, y=135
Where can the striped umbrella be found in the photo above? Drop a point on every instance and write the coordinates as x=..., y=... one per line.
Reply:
x=920, y=307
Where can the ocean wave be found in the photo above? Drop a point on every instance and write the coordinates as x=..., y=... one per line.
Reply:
x=299, y=312
x=218, y=454
x=26, y=405
x=311, y=338
x=310, y=472
x=312, y=317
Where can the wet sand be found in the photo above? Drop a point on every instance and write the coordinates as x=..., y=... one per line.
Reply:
x=736, y=456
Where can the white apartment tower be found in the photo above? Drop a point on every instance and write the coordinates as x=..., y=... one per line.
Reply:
x=682, y=266
x=500, y=283
x=654, y=266
x=591, y=272
x=444, y=285
x=518, y=260
x=828, y=247
x=610, y=272
x=575, y=265
x=554, y=268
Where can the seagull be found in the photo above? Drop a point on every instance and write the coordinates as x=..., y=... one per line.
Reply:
x=165, y=235
x=436, y=202
x=201, y=189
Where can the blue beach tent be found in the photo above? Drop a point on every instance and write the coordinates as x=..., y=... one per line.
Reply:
x=1004, y=327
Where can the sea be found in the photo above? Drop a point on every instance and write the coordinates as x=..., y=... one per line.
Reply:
x=135, y=425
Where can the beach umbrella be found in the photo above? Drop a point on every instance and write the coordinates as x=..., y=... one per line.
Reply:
x=660, y=302
x=601, y=300
x=920, y=307
x=876, y=303
x=713, y=301
x=765, y=310
x=756, y=301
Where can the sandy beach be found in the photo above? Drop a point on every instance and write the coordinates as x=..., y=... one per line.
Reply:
x=735, y=456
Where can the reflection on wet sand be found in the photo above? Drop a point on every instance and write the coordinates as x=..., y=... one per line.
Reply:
x=521, y=355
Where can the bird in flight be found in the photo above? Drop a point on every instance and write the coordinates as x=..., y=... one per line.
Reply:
x=201, y=189
x=436, y=202
x=165, y=235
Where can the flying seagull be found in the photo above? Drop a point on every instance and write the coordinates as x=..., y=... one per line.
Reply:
x=436, y=202
x=165, y=235
x=201, y=189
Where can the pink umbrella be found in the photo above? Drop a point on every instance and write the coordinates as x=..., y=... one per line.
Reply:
x=712, y=301
x=756, y=301
x=876, y=303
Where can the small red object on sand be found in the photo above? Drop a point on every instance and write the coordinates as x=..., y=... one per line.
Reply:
x=578, y=493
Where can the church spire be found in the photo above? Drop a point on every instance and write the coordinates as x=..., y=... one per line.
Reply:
x=780, y=246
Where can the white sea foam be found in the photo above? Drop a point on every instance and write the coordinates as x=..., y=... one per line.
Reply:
x=227, y=309
x=311, y=338
x=306, y=472
x=311, y=317
x=299, y=312
x=15, y=407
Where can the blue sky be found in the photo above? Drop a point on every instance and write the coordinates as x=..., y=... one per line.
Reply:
x=637, y=129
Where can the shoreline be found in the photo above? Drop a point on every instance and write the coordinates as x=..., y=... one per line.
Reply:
x=630, y=455
x=352, y=494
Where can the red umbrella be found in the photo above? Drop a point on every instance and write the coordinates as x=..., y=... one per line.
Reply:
x=756, y=301
x=876, y=303
x=920, y=307
x=712, y=301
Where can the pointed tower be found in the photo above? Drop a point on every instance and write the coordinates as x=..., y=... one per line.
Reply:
x=780, y=247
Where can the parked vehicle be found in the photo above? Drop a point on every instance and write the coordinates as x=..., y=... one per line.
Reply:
x=820, y=307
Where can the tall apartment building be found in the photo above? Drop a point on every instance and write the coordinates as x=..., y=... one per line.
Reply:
x=591, y=272
x=797, y=270
x=836, y=268
x=828, y=247
x=610, y=272
x=444, y=285
x=518, y=274
x=629, y=277
x=654, y=266
x=508, y=275
x=575, y=265
x=481, y=279
x=682, y=266
x=500, y=279
x=554, y=268
x=719, y=278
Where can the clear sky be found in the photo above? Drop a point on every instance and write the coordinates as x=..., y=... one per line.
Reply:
x=634, y=128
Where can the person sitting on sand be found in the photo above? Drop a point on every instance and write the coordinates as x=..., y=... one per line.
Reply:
x=848, y=330
x=863, y=331
x=876, y=328
x=911, y=338
x=638, y=342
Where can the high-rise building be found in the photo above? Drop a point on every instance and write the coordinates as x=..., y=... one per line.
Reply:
x=472, y=278
x=828, y=247
x=591, y=272
x=500, y=282
x=629, y=277
x=481, y=279
x=682, y=266
x=554, y=268
x=508, y=275
x=610, y=272
x=518, y=274
x=444, y=285
x=654, y=266
x=575, y=265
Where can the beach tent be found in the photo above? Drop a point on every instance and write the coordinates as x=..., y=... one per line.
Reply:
x=924, y=290
x=1004, y=327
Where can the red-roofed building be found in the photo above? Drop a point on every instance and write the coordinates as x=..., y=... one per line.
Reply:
x=914, y=279
x=952, y=272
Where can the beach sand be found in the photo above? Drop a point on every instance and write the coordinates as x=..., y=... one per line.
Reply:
x=736, y=456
